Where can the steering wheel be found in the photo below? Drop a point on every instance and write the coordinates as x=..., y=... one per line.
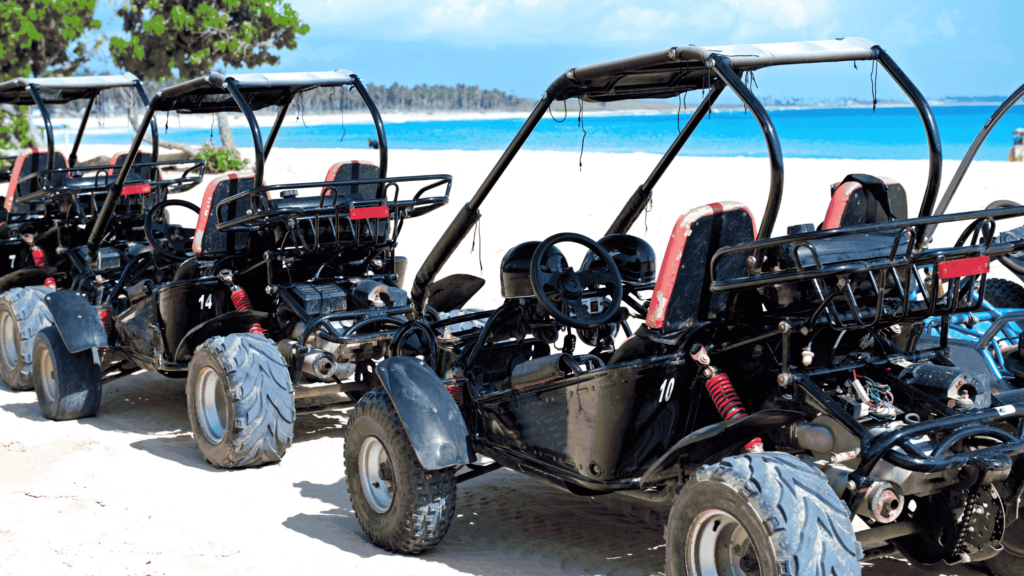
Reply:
x=170, y=240
x=576, y=292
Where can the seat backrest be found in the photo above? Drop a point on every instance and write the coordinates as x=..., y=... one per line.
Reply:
x=117, y=160
x=29, y=162
x=853, y=204
x=208, y=240
x=682, y=294
x=353, y=170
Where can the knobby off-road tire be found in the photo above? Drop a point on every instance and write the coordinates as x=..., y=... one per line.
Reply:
x=1004, y=293
x=22, y=315
x=422, y=502
x=778, y=513
x=240, y=401
x=67, y=384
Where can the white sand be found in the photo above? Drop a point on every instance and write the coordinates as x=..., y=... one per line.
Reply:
x=127, y=492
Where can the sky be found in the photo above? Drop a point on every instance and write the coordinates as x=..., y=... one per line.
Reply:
x=947, y=48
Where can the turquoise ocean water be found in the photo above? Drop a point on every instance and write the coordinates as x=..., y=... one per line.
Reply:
x=887, y=133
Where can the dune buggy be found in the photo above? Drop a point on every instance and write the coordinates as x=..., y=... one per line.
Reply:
x=988, y=339
x=51, y=200
x=269, y=300
x=775, y=392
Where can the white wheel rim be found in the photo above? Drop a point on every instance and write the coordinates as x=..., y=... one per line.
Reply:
x=48, y=377
x=9, y=346
x=212, y=406
x=718, y=545
x=372, y=458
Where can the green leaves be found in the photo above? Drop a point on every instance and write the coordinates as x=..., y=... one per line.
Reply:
x=192, y=37
x=38, y=37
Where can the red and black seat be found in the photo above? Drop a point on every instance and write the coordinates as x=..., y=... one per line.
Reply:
x=29, y=162
x=863, y=199
x=682, y=294
x=353, y=170
x=208, y=240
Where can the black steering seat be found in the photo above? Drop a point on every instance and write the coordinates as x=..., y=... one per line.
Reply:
x=576, y=299
x=169, y=240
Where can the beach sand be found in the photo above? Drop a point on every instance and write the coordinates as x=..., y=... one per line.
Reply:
x=127, y=492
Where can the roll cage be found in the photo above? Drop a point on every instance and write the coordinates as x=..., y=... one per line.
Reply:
x=42, y=92
x=247, y=93
x=666, y=74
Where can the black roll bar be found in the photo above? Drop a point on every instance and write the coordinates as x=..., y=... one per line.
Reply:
x=723, y=66
x=278, y=121
x=961, y=170
x=931, y=189
x=631, y=211
x=45, y=113
x=152, y=125
x=382, y=139
x=254, y=127
x=469, y=214
x=73, y=158
x=107, y=210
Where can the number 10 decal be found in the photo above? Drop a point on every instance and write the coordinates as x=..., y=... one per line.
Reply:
x=205, y=301
x=666, y=389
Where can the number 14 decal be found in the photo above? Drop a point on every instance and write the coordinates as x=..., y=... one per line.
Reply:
x=205, y=301
x=667, y=387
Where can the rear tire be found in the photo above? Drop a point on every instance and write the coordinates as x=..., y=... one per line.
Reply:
x=1004, y=293
x=67, y=384
x=775, y=514
x=240, y=401
x=401, y=506
x=22, y=315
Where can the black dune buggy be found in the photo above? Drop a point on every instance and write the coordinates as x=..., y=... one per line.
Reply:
x=51, y=200
x=273, y=298
x=774, y=394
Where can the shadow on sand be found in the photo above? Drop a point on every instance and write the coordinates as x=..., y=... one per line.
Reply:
x=155, y=406
x=507, y=523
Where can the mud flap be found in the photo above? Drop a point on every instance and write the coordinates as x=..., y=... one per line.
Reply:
x=722, y=439
x=77, y=321
x=429, y=414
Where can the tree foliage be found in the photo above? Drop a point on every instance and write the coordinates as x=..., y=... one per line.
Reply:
x=196, y=36
x=45, y=37
x=40, y=38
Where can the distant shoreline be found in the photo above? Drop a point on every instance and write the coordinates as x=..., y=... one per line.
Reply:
x=119, y=124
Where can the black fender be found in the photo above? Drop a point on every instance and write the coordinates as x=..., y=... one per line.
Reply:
x=26, y=277
x=77, y=320
x=713, y=442
x=428, y=413
x=230, y=323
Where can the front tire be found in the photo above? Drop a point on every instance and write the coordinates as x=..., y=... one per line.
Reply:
x=401, y=506
x=67, y=384
x=767, y=514
x=240, y=401
x=22, y=315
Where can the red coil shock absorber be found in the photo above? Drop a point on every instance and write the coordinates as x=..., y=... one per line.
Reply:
x=724, y=396
x=40, y=259
x=108, y=321
x=729, y=405
x=241, y=301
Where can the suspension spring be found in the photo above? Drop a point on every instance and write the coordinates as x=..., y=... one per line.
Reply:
x=108, y=322
x=39, y=257
x=729, y=406
x=241, y=301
